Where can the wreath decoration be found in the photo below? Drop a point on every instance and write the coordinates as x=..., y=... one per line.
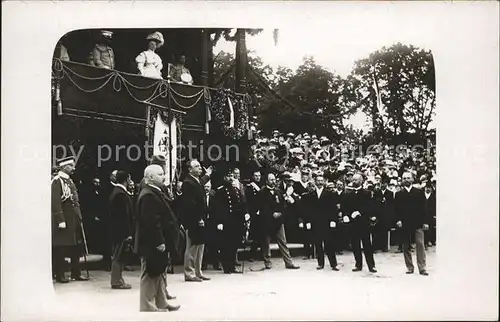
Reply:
x=220, y=110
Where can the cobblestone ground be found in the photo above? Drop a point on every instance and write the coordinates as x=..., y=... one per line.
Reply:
x=306, y=294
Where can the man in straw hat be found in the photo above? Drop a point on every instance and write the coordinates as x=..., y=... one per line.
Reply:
x=66, y=222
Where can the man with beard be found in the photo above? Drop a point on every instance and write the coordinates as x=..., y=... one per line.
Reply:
x=272, y=206
x=384, y=203
x=320, y=204
x=252, y=191
x=66, y=222
x=358, y=211
x=157, y=232
x=230, y=217
x=303, y=187
x=413, y=221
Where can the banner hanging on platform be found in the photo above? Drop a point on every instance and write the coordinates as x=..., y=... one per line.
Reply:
x=165, y=144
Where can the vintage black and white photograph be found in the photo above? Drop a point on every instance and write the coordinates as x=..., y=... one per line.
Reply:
x=188, y=156
x=244, y=173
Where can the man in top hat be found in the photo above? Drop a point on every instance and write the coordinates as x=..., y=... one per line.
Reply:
x=430, y=205
x=103, y=55
x=66, y=222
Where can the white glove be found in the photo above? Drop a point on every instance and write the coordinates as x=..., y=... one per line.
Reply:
x=201, y=223
x=355, y=214
x=373, y=218
x=62, y=225
x=247, y=217
x=258, y=212
x=346, y=219
x=308, y=226
x=220, y=226
x=301, y=225
x=332, y=224
x=399, y=224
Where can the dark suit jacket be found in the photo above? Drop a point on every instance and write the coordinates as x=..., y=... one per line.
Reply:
x=321, y=211
x=120, y=214
x=384, y=203
x=430, y=207
x=271, y=201
x=359, y=201
x=410, y=208
x=156, y=223
x=193, y=208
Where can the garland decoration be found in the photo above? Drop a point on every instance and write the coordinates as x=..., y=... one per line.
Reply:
x=220, y=108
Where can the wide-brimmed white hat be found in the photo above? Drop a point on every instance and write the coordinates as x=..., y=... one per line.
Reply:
x=156, y=36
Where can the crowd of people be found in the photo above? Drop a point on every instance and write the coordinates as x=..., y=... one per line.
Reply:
x=341, y=199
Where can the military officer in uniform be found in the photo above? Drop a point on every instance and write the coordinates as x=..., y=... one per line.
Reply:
x=230, y=216
x=103, y=55
x=303, y=187
x=66, y=222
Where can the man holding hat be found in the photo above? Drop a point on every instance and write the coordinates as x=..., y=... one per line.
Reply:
x=66, y=222
x=103, y=55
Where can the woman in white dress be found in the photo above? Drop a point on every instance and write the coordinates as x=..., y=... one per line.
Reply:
x=148, y=62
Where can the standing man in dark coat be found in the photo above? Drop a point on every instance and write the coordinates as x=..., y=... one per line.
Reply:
x=413, y=220
x=252, y=191
x=342, y=235
x=105, y=225
x=430, y=206
x=121, y=219
x=384, y=203
x=193, y=208
x=230, y=215
x=359, y=214
x=157, y=232
x=272, y=209
x=321, y=205
x=301, y=188
x=66, y=222
x=212, y=250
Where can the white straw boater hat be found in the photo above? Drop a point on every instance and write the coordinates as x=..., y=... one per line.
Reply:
x=107, y=33
x=156, y=36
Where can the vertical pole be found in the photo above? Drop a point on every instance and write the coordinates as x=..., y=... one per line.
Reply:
x=241, y=61
x=204, y=56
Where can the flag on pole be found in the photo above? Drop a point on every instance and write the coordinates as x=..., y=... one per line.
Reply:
x=231, y=113
x=165, y=145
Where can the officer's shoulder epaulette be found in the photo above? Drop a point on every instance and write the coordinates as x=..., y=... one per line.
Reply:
x=56, y=177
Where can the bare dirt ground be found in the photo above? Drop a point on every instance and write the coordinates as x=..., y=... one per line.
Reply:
x=279, y=293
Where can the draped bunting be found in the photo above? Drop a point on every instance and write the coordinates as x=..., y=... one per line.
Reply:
x=92, y=92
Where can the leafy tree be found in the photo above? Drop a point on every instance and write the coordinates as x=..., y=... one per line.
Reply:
x=395, y=86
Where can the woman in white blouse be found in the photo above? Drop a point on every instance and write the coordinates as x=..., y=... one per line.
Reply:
x=148, y=62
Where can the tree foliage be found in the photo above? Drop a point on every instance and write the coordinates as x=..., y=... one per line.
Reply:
x=405, y=80
x=394, y=86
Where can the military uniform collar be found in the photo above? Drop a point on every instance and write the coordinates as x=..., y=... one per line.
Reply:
x=63, y=175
